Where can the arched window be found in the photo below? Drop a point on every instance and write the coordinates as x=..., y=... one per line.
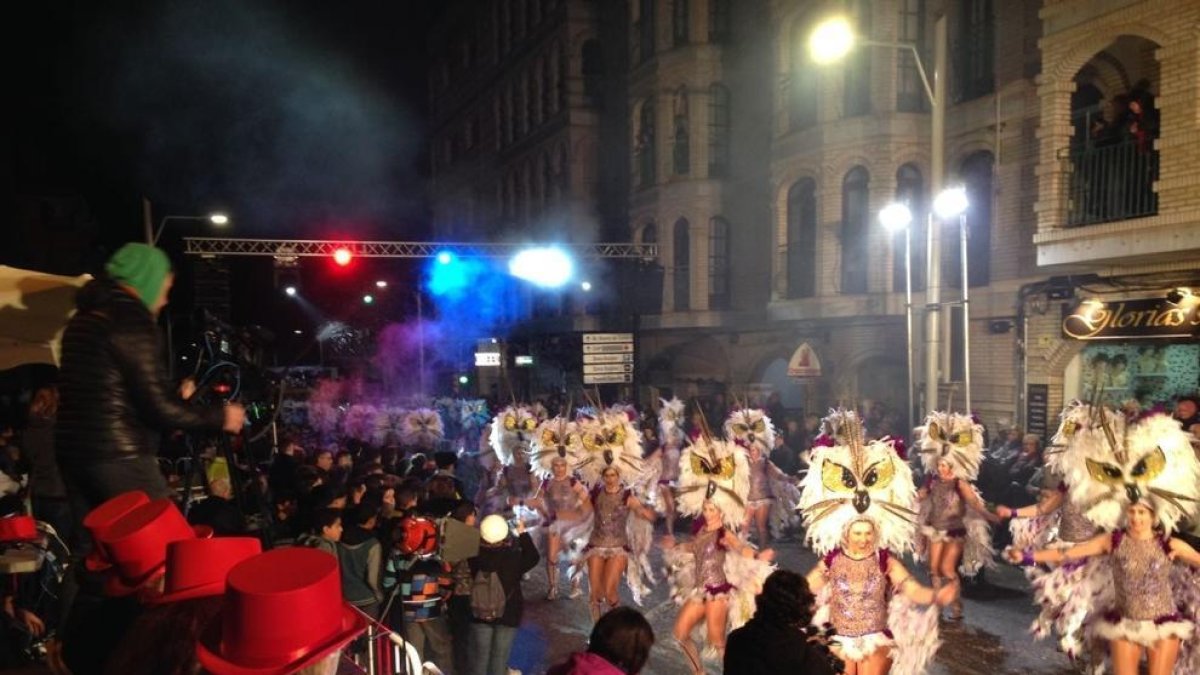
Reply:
x=856, y=94
x=855, y=221
x=976, y=40
x=679, y=22
x=718, y=263
x=644, y=147
x=649, y=233
x=976, y=175
x=550, y=85
x=593, y=72
x=549, y=187
x=535, y=98
x=681, y=146
x=510, y=116
x=802, y=112
x=910, y=190
x=718, y=21
x=718, y=131
x=910, y=92
x=682, y=249
x=564, y=176
x=644, y=30
x=802, y=239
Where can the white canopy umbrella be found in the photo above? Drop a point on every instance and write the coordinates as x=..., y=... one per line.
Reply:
x=34, y=308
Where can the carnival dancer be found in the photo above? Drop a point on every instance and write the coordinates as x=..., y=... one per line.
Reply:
x=714, y=576
x=665, y=458
x=1139, y=483
x=608, y=548
x=562, y=499
x=773, y=497
x=857, y=501
x=1064, y=592
x=955, y=536
x=506, y=459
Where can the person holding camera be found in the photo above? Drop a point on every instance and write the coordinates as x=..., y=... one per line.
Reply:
x=496, y=599
x=115, y=399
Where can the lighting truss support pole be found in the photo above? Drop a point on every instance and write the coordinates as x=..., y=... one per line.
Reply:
x=966, y=310
x=933, y=283
x=908, y=324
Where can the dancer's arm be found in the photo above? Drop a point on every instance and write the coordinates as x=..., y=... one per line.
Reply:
x=903, y=581
x=1045, y=506
x=971, y=498
x=644, y=512
x=730, y=541
x=1183, y=551
x=1093, y=547
x=817, y=577
x=585, y=500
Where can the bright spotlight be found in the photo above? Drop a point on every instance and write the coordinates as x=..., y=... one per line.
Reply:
x=463, y=379
x=586, y=286
x=831, y=40
x=298, y=332
x=445, y=257
x=381, y=284
x=895, y=217
x=547, y=267
x=368, y=299
x=950, y=203
x=291, y=291
x=219, y=219
x=342, y=256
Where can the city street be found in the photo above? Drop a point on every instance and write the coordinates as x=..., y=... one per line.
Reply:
x=991, y=640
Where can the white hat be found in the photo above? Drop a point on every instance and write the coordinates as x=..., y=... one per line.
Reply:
x=493, y=529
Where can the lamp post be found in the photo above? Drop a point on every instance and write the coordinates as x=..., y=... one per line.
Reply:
x=896, y=217
x=832, y=40
x=951, y=204
x=214, y=218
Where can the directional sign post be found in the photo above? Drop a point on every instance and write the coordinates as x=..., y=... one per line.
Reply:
x=608, y=358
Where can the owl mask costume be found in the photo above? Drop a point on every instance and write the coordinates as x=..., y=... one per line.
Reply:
x=609, y=438
x=422, y=428
x=556, y=438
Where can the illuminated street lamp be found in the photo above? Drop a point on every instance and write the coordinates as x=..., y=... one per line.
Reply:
x=896, y=217
x=831, y=40
x=218, y=219
x=952, y=203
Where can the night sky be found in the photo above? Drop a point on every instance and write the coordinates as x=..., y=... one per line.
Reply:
x=298, y=118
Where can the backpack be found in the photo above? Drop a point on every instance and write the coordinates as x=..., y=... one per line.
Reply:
x=488, y=598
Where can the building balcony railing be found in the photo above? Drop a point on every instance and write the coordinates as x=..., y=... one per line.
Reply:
x=1112, y=182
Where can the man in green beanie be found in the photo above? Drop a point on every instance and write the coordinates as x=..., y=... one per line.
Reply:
x=115, y=397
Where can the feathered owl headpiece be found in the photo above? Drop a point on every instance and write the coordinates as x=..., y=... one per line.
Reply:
x=1150, y=461
x=714, y=470
x=953, y=437
x=858, y=478
x=512, y=431
x=750, y=427
x=670, y=422
x=557, y=437
x=359, y=422
x=609, y=439
x=1078, y=422
x=422, y=428
x=389, y=421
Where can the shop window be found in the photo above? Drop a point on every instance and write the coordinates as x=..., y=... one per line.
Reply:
x=679, y=22
x=681, y=145
x=682, y=248
x=910, y=190
x=718, y=263
x=1147, y=372
x=719, y=126
x=910, y=91
x=976, y=38
x=801, y=252
x=854, y=231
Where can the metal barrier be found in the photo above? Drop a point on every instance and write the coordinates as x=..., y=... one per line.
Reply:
x=1112, y=182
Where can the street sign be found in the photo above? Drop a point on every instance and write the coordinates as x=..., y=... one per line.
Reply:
x=599, y=338
x=608, y=358
x=608, y=378
x=609, y=348
x=596, y=369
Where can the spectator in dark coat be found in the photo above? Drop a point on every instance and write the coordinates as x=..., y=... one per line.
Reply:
x=619, y=645
x=775, y=641
x=218, y=511
x=491, y=641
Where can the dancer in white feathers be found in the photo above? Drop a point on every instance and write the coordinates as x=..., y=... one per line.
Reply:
x=1139, y=482
x=771, y=504
x=714, y=576
x=561, y=498
x=665, y=458
x=858, y=503
x=1063, y=593
x=955, y=536
x=612, y=463
x=422, y=429
x=506, y=459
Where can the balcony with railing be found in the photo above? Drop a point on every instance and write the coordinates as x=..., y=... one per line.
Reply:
x=1112, y=182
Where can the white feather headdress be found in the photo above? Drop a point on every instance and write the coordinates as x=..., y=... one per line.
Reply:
x=670, y=422
x=512, y=431
x=858, y=478
x=609, y=439
x=750, y=426
x=557, y=437
x=422, y=428
x=953, y=437
x=714, y=470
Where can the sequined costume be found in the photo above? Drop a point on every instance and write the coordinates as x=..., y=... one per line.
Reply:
x=611, y=514
x=760, y=483
x=858, y=602
x=1144, y=611
x=560, y=497
x=1073, y=526
x=709, y=550
x=946, y=511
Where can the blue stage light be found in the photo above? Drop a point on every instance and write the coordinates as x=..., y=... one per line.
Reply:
x=445, y=257
x=547, y=267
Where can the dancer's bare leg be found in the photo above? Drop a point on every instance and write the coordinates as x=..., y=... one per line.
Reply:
x=1163, y=655
x=689, y=615
x=1125, y=656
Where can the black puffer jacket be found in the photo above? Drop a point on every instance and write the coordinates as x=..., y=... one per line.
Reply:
x=114, y=395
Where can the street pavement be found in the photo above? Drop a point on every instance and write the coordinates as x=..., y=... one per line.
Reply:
x=992, y=639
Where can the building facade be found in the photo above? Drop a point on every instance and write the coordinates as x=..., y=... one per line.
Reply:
x=760, y=175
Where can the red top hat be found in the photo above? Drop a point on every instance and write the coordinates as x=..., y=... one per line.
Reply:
x=18, y=528
x=137, y=544
x=197, y=568
x=283, y=611
x=101, y=518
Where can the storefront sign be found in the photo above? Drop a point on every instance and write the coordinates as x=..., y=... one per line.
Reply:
x=1145, y=318
x=804, y=362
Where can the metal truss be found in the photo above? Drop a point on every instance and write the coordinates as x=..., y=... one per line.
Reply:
x=292, y=249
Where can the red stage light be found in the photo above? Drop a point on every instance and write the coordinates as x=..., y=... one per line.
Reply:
x=342, y=256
